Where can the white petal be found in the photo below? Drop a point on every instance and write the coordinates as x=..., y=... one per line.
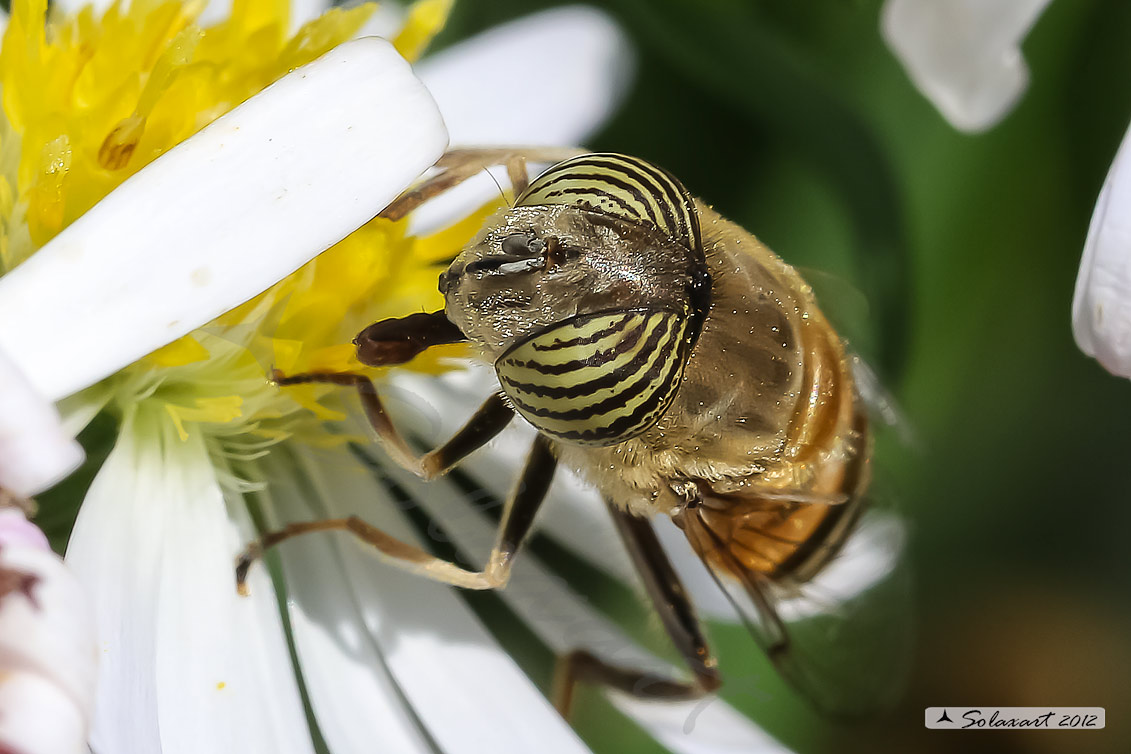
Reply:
x=16, y=530
x=115, y=550
x=215, y=11
x=963, y=55
x=708, y=597
x=47, y=648
x=869, y=556
x=220, y=658
x=35, y=452
x=187, y=665
x=38, y=717
x=385, y=22
x=460, y=201
x=303, y=11
x=74, y=6
x=222, y=216
x=353, y=697
x=564, y=621
x=551, y=78
x=79, y=410
x=707, y=726
x=1101, y=308
x=466, y=691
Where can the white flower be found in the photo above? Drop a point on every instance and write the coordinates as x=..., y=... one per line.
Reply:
x=963, y=55
x=173, y=241
x=1101, y=307
x=386, y=659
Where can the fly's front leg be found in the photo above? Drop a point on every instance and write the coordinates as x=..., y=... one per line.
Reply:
x=518, y=517
x=677, y=615
x=457, y=165
x=396, y=341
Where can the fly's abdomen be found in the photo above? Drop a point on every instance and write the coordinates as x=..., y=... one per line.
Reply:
x=598, y=379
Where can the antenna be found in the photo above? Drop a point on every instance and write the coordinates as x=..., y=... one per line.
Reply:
x=499, y=186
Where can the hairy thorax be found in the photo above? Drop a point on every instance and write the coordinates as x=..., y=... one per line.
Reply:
x=766, y=403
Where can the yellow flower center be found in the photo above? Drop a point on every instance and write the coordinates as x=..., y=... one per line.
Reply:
x=88, y=101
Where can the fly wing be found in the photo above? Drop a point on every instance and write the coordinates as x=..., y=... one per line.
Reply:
x=842, y=638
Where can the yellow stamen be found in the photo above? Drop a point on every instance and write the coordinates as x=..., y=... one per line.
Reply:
x=186, y=350
x=217, y=410
x=90, y=99
x=425, y=20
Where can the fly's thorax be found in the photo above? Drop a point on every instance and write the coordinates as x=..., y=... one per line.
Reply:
x=767, y=396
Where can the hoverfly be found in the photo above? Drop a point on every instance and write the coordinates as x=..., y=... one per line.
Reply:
x=670, y=359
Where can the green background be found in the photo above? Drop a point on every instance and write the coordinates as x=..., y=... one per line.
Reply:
x=794, y=119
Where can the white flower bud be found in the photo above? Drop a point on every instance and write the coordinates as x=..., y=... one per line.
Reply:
x=47, y=646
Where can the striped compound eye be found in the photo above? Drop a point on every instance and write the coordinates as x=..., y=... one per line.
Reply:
x=598, y=379
x=622, y=186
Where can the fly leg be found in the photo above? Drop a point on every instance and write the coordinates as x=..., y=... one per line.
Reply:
x=677, y=614
x=488, y=421
x=515, y=525
x=457, y=165
x=395, y=341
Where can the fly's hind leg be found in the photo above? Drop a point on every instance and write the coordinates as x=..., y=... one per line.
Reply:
x=517, y=520
x=677, y=614
x=457, y=165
